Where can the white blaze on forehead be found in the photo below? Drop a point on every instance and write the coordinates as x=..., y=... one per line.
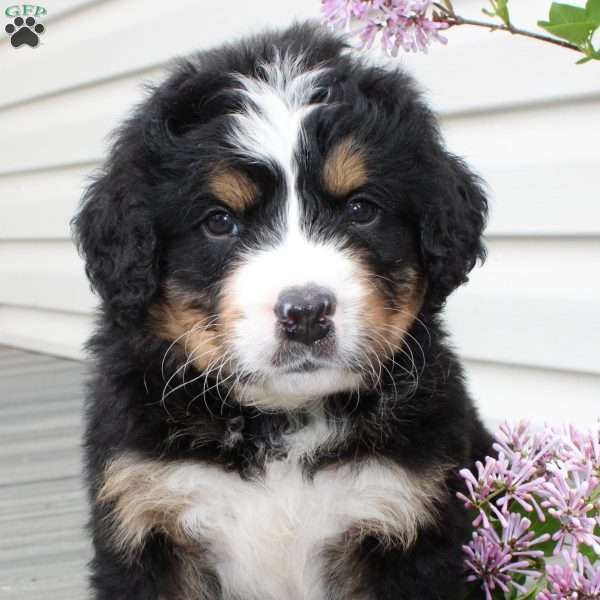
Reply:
x=270, y=127
x=270, y=130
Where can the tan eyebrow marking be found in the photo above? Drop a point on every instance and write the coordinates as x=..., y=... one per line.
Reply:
x=233, y=187
x=345, y=168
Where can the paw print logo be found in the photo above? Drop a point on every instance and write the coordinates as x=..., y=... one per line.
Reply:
x=24, y=32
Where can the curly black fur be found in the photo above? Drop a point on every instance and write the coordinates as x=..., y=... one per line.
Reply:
x=132, y=230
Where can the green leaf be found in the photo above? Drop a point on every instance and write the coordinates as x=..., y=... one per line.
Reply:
x=499, y=9
x=502, y=11
x=576, y=33
x=589, y=552
x=592, y=8
x=473, y=590
x=590, y=54
x=567, y=13
x=571, y=23
x=550, y=526
x=532, y=593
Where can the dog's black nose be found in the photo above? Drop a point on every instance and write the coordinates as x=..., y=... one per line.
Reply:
x=305, y=313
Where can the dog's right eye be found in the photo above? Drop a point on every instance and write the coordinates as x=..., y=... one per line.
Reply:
x=221, y=224
x=362, y=211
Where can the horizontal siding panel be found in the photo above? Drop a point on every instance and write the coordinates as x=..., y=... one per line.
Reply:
x=549, y=198
x=111, y=98
x=147, y=39
x=83, y=142
x=535, y=302
x=61, y=8
x=528, y=137
x=516, y=392
x=54, y=332
x=70, y=130
x=40, y=205
x=27, y=280
x=507, y=73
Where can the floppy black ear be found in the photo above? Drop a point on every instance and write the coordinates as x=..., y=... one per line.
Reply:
x=451, y=229
x=114, y=232
x=115, y=226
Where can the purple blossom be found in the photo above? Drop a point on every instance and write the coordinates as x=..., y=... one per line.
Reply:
x=493, y=560
x=576, y=580
x=401, y=24
x=479, y=489
x=517, y=479
x=520, y=442
x=553, y=474
x=568, y=499
x=499, y=482
x=339, y=13
x=579, y=450
x=519, y=538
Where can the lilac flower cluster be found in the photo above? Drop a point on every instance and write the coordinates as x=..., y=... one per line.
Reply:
x=553, y=477
x=398, y=24
x=574, y=580
x=495, y=559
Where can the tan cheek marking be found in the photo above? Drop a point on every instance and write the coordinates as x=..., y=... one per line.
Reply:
x=403, y=315
x=177, y=320
x=345, y=169
x=233, y=188
x=229, y=308
x=389, y=324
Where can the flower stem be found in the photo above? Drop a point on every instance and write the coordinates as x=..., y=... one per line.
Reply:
x=453, y=20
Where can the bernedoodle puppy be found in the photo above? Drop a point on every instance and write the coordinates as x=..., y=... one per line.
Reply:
x=275, y=412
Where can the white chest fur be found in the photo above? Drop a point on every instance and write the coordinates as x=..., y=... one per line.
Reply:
x=265, y=537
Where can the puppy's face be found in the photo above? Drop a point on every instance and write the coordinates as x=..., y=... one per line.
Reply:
x=281, y=222
x=294, y=273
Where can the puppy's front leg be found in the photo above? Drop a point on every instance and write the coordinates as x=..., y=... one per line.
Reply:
x=114, y=578
x=428, y=571
x=425, y=571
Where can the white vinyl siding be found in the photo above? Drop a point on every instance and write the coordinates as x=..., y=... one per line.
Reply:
x=523, y=115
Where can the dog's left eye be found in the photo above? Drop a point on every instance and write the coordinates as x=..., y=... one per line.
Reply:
x=221, y=224
x=362, y=211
